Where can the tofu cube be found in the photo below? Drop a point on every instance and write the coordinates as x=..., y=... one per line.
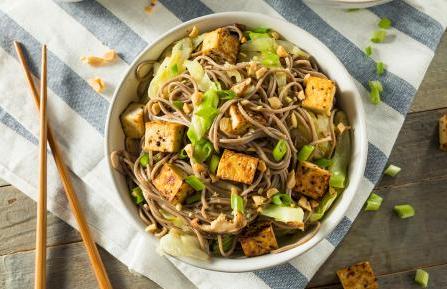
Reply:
x=221, y=46
x=171, y=185
x=132, y=120
x=238, y=123
x=162, y=136
x=358, y=276
x=259, y=240
x=443, y=133
x=320, y=94
x=311, y=180
x=237, y=167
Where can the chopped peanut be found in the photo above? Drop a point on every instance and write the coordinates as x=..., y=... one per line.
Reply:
x=108, y=57
x=97, y=84
x=151, y=228
x=301, y=96
x=262, y=167
x=271, y=192
x=291, y=181
x=275, y=102
x=251, y=70
x=187, y=108
x=260, y=72
x=275, y=35
x=281, y=51
x=194, y=32
x=258, y=200
x=197, y=98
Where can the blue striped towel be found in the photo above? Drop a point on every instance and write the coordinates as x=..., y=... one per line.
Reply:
x=72, y=30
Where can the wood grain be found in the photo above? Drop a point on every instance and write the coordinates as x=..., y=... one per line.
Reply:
x=67, y=267
x=432, y=93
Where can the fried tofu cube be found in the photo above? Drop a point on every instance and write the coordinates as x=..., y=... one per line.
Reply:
x=259, y=240
x=358, y=276
x=171, y=184
x=221, y=45
x=162, y=136
x=237, y=167
x=311, y=180
x=443, y=133
x=320, y=94
x=132, y=120
x=239, y=125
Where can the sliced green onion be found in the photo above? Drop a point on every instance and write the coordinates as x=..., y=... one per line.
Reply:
x=323, y=163
x=182, y=154
x=144, y=160
x=352, y=9
x=337, y=181
x=305, y=152
x=282, y=200
x=421, y=278
x=374, y=202
x=384, y=23
x=137, y=195
x=195, y=183
x=404, y=211
x=378, y=36
x=256, y=35
x=280, y=150
x=380, y=68
x=261, y=30
x=226, y=94
x=193, y=199
x=227, y=242
x=214, y=163
x=178, y=104
x=342, y=154
x=270, y=59
x=368, y=50
x=324, y=205
x=202, y=150
x=376, y=89
x=237, y=203
x=392, y=170
x=174, y=69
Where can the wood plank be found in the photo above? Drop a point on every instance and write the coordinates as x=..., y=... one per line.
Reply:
x=67, y=267
x=405, y=280
x=417, y=150
x=390, y=243
x=432, y=93
x=18, y=223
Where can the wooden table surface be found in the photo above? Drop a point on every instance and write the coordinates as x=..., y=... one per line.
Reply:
x=395, y=247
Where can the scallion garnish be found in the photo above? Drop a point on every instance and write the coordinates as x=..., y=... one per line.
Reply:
x=282, y=200
x=237, y=203
x=385, y=23
x=178, y=104
x=280, y=149
x=421, y=278
x=337, y=181
x=214, y=163
x=144, y=160
x=137, y=195
x=323, y=163
x=368, y=50
x=378, y=36
x=404, y=211
x=305, y=152
x=376, y=89
x=261, y=30
x=374, y=202
x=227, y=241
x=174, y=69
x=182, y=154
x=226, y=94
x=195, y=183
x=392, y=170
x=380, y=68
x=202, y=150
x=193, y=199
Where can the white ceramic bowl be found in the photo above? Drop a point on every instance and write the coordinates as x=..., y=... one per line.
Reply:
x=348, y=4
x=348, y=98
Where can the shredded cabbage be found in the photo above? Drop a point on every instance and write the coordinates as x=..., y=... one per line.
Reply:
x=177, y=243
x=324, y=205
x=175, y=220
x=284, y=214
x=259, y=45
x=322, y=127
x=198, y=74
x=180, y=52
x=291, y=48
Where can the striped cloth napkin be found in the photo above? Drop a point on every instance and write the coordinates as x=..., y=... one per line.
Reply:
x=78, y=114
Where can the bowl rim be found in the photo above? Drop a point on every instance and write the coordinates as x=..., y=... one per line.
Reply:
x=269, y=260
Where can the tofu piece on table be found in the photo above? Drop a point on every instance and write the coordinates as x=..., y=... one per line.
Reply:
x=162, y=136
x=237, y=167
x=311, y=180
x=132, y=120
x=358, y=276
x=259, y=240
x=443, y=132
x=171, y=184
x=221, y=45
x=320, y=94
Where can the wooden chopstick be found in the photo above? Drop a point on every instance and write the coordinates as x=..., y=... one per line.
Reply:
x=41, y=226
x=92, y=250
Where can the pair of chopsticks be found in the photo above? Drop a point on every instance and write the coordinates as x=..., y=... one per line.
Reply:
x=41, y=230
